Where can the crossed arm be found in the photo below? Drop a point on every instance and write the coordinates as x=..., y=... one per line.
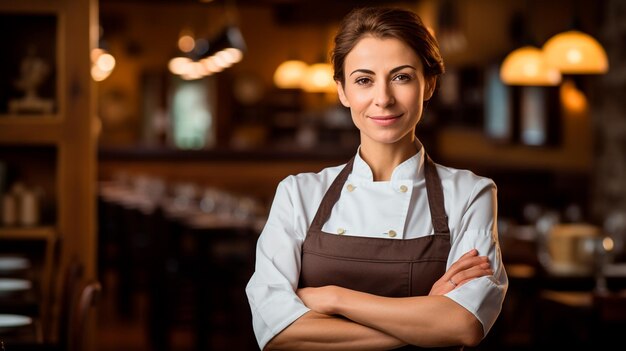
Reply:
x=343, y=319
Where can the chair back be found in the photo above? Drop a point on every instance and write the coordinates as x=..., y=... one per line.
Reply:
x=86, y=302
x=70, y=290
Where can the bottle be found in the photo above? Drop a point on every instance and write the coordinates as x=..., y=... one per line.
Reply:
x=9, y=210
x=29, y=208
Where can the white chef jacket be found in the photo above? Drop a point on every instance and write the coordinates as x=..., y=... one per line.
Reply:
x=396, y=209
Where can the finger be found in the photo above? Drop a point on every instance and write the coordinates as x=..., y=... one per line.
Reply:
x=472, y=273
x=472, y=252
x=466, y=263
x=470, y=270
x=484, y=266
x=470, y=255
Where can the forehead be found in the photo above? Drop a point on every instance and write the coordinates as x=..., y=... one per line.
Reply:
x=371, y=52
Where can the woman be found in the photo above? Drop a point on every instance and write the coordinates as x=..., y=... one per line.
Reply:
x=390, y=249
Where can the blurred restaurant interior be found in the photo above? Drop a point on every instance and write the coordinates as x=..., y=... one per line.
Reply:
x=141, y=143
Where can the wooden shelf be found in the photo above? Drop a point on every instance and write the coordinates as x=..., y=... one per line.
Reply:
x=30, y=129
x=28, y=118
x=27, y=233
x=30, y=6
x=54, y=152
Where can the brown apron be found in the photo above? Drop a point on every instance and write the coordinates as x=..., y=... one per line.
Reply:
x=384, y=267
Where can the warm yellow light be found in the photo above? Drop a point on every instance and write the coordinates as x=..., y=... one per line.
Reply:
x=179, y=65
x=290, y=74
x=220, y=61
x=527, y=66
x=95, y=53
x=575, y=52
x=233, y=55
x=210, y=65
x=186, y=43
x=608, y=244
x=196, y=70
x=99, y=75
x=572, y=98
x=106, y=62
x=102, y=64
x=319, y=79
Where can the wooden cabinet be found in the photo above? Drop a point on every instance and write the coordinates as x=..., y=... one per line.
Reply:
x=47, y=120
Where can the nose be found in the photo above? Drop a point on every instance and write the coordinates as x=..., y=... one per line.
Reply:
x=384, y=95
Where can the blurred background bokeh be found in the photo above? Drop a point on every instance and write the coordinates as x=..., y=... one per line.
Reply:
x=141, y=142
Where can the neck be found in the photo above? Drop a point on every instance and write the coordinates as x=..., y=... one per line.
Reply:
x=384, y=158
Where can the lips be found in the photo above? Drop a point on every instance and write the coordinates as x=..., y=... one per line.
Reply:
x=385, y=120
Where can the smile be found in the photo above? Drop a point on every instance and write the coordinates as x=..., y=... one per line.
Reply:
x=385, y=120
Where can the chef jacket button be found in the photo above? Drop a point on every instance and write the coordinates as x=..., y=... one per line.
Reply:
x=341, y=231
x=350, y=187
x=403, y=188
x=392, y=233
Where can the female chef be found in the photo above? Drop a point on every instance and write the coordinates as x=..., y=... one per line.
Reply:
x=390, y=249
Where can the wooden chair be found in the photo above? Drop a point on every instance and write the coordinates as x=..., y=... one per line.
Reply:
x=69, y=295
x=69, y=329
x=86, y=302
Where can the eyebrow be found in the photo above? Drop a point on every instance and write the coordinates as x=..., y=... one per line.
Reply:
x=367, y=71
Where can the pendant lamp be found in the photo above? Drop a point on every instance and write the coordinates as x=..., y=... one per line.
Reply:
x=319, y=79
x=290, y=74
x=528, y=66
x=575, y=52
x=203, y=57
x=102, y=64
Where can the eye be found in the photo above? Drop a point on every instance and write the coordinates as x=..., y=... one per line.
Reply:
x=363, y=81
x=402, y=77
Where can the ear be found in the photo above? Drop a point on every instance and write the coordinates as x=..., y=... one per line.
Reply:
x=430, y=84
x=342, y=95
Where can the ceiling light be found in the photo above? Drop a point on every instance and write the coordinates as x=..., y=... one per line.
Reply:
x=528, y=66
x=319, y=79
x=102, y=64
x=229, y=38
x=574, y=52
x=290, y=74
x=203, y=58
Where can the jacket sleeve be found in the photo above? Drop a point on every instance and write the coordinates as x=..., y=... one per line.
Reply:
x=483, y=296
x=271, y=289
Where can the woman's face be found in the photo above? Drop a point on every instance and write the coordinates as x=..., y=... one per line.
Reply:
x=384, y=89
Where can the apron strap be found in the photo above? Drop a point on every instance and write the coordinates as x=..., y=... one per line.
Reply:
x=435, y=197
x=330, y=198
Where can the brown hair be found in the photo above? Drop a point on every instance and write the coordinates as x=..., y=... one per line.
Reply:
x=382, y=22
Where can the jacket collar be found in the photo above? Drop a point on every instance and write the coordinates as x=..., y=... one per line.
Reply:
x=404, y=171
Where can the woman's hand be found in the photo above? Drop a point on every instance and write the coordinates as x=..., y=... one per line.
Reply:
x=466, y=268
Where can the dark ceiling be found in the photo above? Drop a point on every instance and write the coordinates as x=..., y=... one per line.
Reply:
x=285, y=11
